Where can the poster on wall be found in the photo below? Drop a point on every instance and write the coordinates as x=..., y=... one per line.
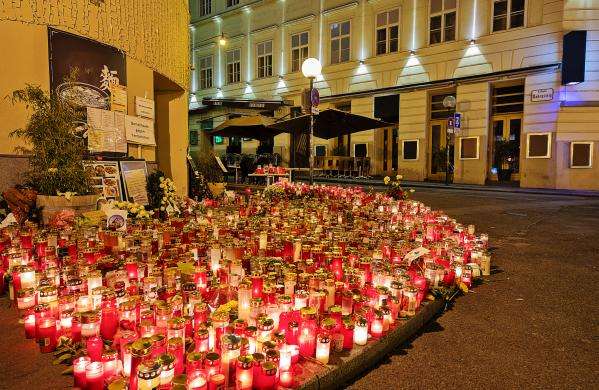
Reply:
x=98, y=66
x=106, y=131
x=135, y=176
x=106, y=177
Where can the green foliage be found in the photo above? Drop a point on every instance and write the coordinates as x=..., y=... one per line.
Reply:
x=155, y=193
x=56, y=152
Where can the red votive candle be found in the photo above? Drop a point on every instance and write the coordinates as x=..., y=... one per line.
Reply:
x=94, y=348
x=79, y=366
x=94, y=376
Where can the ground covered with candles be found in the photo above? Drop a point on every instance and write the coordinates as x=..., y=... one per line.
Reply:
x=261, y=291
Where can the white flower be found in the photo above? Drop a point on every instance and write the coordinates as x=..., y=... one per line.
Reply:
x=52, y=170
x=399, y=177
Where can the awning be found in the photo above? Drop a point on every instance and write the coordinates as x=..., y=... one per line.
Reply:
x=246, y=103
x=256, y=127
x=331, y=123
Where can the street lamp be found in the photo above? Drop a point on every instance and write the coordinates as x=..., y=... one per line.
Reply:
x=311, y=68
x=449, y=102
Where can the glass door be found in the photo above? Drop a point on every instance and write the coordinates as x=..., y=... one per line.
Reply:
x=504, y=148
x=437, y=152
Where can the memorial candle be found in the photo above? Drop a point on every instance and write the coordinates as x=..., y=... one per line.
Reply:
x=79, y=368
x=244, y=296
x=148, y=375
x=29, y=322
x=286, y=379
x=217, y=382
x=46, y=334
x=94, y=376
x=197, y=381
x=244, y=373
x=361, y=332
x=307, y=332
x=94, y=347
x=323, y=348
x=176, y=347
x=110, y=362
x=167, y=373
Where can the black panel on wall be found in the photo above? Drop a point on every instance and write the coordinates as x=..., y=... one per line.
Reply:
x=387, y=108
x=574, y=57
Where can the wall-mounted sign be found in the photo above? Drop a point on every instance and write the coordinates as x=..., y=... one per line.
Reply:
x=541, y=95
x=140, y=130
x=118, y=98
x=144, y=107
x=106, y=131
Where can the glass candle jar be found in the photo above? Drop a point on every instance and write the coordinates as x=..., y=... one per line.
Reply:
x=197, y=381
x=244, y=297
x=176, y=347
x=230, y=347
x=94, y=347
x=244, y=373
x=212, y=364
x=25, y=298
x=176, y=328
x=268, y=377
x=29, y=323
x=148, y=375
x=307, y=332
x=94, y=376
x=110, y=362
x=323, y=348
x=410, y=301
x=376, y=327
x=79, y=368
x=140, y=352
x=301, y=299
x=90, y=324
x=361, y=332
x=46, y=334
x=167, y=373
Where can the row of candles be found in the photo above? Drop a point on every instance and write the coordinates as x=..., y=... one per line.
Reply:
x=239, y=294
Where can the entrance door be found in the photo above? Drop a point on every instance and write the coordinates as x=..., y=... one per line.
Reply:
x=504, y=148
x=437, y=152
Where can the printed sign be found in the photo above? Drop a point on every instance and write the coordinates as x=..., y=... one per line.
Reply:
x=116, y=219
x=140, y=130
x=106, y=131
x=457, y=120
x=135, y=175
x=541, y=95
x=118, y=98
x=105, y=177
x=144, y=107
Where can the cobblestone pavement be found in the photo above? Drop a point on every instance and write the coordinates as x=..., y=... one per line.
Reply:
x=533, y=324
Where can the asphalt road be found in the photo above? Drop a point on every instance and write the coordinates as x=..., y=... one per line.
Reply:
x=533, y=324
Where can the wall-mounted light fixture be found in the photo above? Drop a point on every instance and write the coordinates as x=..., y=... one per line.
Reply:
x=412, y=52
x=361, y=62
x=222, y=40
x=473, y=41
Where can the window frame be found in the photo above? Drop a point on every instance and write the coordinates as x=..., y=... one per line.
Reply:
x=300, y=47
x=477, y=138
x=201, y=69
x=403, y=148
x=203, y=4
x=231, y=4
x=339, y=38
x=509, y=16
x=387, y=27
x=227, y=66
x=326, y=149
x=591, y=146
x=272, y=64
x=442, y=14
x=548, y=155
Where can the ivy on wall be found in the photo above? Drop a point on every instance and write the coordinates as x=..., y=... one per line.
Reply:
x=154, y=32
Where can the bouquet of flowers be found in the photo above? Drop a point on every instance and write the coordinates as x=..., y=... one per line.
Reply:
x=394, y=188
x=134, y=210
x=170, y=201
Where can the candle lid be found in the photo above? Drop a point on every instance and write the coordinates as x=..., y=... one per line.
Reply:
x=212, y=358
x=272, y=355
x=308, y=312
x=167, y=360
x=361, y=322
x=141, y=347
x=195, y=357
x=25, y=292
x=245, y=361
x=269, y=368
x=90, y=317
x=258, y=358
x=217, y=379
x=158, y=339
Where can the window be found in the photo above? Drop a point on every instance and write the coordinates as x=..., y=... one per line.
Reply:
x=581, y=154
x=360, y=150
x=205, y=7
x=410, y=149
x=438, y=110
x=508, y=14
x=539, y=145
x=299, y=50
x=233, y=66
x=469, y=148
x=193, y=137
x=442, y=21
x=340, y=42
x=387, y=32
x=264, y=56
x=231, y=3
x=320, y=150
x=508, y=99
x=206, y=72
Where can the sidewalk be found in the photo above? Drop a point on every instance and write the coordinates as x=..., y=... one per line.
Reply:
x=378, y=183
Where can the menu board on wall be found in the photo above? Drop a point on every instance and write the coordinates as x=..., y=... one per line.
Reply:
x=135, y=175
x=140, y=130
x=106, y=131
x=106, y=178
x=144, y=107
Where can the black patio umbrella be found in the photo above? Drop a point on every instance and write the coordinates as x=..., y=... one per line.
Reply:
x=331, y=123
x=257, y=127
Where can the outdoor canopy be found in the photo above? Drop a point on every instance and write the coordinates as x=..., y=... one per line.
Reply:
x=257, y=127
x=330, y=123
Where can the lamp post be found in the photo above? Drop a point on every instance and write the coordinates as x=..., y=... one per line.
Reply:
x=449, y=102
x=311, y=68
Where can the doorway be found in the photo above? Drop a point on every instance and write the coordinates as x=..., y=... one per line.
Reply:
x=437, y=152
x=505, y=148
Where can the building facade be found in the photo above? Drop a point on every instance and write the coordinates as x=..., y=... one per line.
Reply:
x=152, y=39
x=523, y=117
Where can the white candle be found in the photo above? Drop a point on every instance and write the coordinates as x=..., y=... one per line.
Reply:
x=323, y=349
x=361, y=333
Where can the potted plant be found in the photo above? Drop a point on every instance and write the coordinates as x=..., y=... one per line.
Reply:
x=505, y=158
x=55, y=153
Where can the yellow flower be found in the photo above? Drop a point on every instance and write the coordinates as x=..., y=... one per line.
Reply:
x=399, y=177
x=387, y=179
